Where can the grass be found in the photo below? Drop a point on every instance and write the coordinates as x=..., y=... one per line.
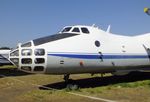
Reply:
x=123, y=89
x=145, y=83
x=50, y=96
x=7, y=67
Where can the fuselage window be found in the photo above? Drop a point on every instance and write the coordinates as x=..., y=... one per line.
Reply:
x=85, y=30
x=66, y=29
x=76, y=30
x=97, y=43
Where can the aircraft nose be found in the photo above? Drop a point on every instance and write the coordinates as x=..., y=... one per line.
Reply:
x=29, y=59
x=14, y=57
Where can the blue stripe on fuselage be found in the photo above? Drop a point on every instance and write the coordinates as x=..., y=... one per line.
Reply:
x=90, y=56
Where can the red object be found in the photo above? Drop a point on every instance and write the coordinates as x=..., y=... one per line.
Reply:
x=81, y=63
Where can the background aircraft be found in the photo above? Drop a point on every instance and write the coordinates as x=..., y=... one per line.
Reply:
x=4, y=55
x=84, y=49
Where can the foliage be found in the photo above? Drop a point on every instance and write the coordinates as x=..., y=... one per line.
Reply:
x=5, y=48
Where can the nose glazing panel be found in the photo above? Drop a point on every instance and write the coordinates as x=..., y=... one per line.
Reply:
x=28, y=58
x=26, y=61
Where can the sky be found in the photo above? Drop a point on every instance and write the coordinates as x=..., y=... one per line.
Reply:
x=24, y=20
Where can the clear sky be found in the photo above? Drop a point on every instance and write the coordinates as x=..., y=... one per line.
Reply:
x=24, y=20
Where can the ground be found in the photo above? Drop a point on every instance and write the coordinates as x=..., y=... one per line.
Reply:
x=17, y=86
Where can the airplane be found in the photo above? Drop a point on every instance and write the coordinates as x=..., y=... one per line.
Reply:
x=4, y=55
x=83, y=49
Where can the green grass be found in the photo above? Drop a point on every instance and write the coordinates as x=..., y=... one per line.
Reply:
x=132, y=91
x=123, y=85
x=7, y=67
x=144, y=83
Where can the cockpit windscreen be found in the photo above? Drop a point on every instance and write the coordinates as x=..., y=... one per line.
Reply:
x=66, y=29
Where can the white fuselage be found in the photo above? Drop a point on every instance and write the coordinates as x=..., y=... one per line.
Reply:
x=94, y=52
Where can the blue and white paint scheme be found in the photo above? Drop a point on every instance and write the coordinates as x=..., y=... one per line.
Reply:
x=84, y=49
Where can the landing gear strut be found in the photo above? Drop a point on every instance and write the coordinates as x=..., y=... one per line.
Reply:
x=66, y=77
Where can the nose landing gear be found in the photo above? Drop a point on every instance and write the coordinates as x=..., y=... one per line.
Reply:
x=66, y=77
x=70, y=84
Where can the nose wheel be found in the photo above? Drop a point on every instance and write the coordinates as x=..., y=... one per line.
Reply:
x=66, y=77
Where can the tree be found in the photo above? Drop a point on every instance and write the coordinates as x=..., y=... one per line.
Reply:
x=4, y=48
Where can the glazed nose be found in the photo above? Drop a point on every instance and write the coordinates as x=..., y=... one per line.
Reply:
x=29, y=59
x=32, y=60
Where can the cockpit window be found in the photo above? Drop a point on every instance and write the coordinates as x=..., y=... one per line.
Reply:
x=66, y=29
x=51, y=38
x=76, y=30
x=85, y=30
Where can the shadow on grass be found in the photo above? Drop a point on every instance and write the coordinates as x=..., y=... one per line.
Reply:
x=6, y=72
x=99, y=81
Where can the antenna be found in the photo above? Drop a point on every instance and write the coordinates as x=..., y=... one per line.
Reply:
x=93, y=25
x=108, y=29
